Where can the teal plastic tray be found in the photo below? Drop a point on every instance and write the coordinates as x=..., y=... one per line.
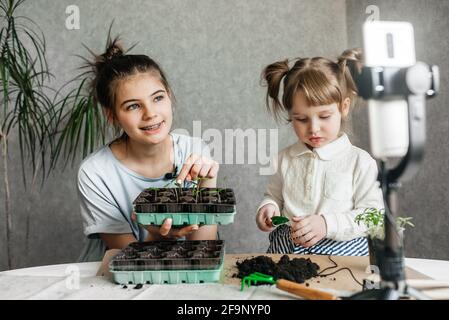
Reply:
x=181, y=218
x=169, y=261
x=167, y=276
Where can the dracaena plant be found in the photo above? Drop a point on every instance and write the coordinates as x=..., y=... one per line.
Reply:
x=26, y=111
x=49, y=130
x=81, y=125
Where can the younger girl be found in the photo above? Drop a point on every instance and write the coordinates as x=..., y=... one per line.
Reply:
x=137, y=98
x=322, y=181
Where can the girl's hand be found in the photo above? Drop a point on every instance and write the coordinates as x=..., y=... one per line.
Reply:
x=263, y=217
x=308, y=230
x=165, y=231
x=197, y=166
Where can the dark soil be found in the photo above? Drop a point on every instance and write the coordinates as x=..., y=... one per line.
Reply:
x=160, y=254
x=191, y=200
x=187, y=199
x=166, y=199
x=297, y=269
x=186, y=195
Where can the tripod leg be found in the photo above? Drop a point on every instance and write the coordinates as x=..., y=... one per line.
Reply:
x=376, y=294
x=414, y=293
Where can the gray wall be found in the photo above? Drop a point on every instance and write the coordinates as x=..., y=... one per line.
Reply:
x=425, y=198
x=213, y=53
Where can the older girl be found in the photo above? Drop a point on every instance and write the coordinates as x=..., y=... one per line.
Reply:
x=136, y=98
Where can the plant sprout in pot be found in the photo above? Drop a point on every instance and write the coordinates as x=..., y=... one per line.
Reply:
x=373, y=219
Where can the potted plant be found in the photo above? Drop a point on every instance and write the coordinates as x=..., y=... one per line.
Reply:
x=50, y=125
x=373, y=219
x=26, y=110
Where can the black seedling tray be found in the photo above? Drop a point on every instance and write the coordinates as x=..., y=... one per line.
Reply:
x=169, y=255
x=185, y=200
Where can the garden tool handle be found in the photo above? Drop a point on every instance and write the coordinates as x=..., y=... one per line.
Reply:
x=303, y=291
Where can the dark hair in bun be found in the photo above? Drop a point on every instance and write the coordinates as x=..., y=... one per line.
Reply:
x=115, y=65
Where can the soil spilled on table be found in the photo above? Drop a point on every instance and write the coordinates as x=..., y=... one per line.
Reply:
x=296, y=269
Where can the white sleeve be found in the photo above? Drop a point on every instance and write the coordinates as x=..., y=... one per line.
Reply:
x=98, y=211
x=273, y=193
x=367, y=194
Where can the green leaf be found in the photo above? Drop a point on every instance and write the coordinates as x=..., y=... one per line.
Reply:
x=278, y=220
x=23, y=68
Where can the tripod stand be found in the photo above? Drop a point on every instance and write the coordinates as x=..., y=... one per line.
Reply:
x=390, y=257
x=416, y=84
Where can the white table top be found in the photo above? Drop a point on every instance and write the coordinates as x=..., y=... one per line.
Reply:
x=58, y=282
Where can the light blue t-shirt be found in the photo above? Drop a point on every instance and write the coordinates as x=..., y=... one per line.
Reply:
x=107, y=188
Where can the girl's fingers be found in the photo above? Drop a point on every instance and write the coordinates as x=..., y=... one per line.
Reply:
x=185, y=231
x=306, y=240
x=270, y=215
x=165, y=227
x=268, y=222
x=198, y=166
x=302, y=237
x=133, y=216
x=185, y=170
x=311, y=242
x=183, y=173
x=260, y=218
x=307, y=237
x=204, y=171
x=263, y=220
x=213, y=170
x=303, y=226
x=304, y=230
x=195, y=170
x=265, y=227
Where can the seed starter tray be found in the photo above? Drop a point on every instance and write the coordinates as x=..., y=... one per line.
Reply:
x=185, y=206
x=158, y=262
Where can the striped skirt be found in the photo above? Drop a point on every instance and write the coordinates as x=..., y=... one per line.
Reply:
x=281, y=242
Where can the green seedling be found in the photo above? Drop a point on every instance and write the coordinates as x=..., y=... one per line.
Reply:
x=152, y=188
x=374, y=220
x=278, y=220
x=196, y=182
x=196, y=186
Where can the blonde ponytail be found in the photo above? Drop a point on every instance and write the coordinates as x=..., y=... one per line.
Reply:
x=350, y=63
x=272, y=76
x=322, y=81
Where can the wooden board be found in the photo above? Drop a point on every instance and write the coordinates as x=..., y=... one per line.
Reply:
x=342, y=280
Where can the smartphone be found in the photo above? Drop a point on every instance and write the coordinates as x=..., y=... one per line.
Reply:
x=389, y=44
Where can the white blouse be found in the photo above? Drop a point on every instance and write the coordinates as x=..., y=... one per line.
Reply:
x=338, y=181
